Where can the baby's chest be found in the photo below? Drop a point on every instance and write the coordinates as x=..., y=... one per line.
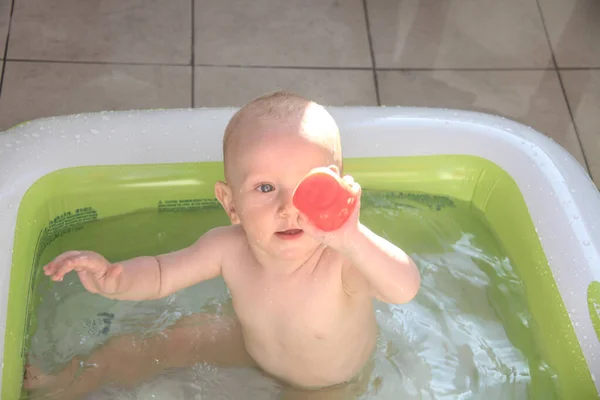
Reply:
x=308, y=304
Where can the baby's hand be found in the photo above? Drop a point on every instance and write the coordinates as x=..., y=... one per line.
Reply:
x=96, y=274
x=341, y=238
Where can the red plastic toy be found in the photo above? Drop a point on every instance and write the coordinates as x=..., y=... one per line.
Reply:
x=325, y=199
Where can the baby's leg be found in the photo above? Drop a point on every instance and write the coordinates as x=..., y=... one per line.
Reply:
x=130, y=359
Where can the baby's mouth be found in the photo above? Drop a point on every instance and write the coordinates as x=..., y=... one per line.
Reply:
x=290, y=232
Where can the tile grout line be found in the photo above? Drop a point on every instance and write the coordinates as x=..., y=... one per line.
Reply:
x=193, y=52
x=564, y=92
x=82, y=62
x=372, y=52
x=300, y=67
x=473, y=69
x=284, y=67
x=578, y=68
x=562, y=87
x=12, y=8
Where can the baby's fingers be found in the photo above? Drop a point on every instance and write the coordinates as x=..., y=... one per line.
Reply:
x=54, y=265
x=349, y=180
x=84, y=261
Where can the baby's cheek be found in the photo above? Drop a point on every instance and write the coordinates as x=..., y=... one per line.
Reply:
x=252, y=221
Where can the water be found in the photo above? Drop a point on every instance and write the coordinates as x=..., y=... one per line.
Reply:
x=467, y=335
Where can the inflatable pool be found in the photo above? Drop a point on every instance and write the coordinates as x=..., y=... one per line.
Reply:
x=59, y=175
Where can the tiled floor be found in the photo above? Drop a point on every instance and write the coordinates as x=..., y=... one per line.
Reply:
x=535, y=61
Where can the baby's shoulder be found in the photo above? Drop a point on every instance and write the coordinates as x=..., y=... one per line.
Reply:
x=228, y=239
x=231, y=243
x=227, y=235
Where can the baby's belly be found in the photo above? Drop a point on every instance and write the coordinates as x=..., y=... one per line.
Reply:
x=305, y=360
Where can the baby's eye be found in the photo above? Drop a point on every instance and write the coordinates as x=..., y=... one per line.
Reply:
x=265, y=188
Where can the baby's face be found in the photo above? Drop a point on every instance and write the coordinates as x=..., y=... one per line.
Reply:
x=267, y=170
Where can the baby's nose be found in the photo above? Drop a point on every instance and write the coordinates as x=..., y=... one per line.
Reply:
x=286, y=206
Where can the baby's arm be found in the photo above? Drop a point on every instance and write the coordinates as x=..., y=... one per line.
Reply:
x=374, y=263
x=146, y=277
x=174, y=271
x=390, y=273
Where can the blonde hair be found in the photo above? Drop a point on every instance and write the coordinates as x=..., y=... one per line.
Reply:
x=278, y=105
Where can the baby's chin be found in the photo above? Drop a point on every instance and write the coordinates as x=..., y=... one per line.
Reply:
x=294, y=249
x=287, y=245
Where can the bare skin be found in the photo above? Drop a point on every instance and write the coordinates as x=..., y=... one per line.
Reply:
x=302, y=297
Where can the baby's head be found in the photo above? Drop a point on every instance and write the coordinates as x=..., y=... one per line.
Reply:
x=283, y=116
x=269, y=145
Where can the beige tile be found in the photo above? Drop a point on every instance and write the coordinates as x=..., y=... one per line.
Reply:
x=4, y=21
x=36, y=89
x=531, y=97
x=583, y=94
x=217, y=86
x=309, y=33
x=458, y=34
x=574, y=30
x=140, y=31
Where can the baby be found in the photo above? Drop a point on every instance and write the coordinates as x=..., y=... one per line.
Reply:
x=302, y=297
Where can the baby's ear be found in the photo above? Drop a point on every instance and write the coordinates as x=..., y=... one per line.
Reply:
x=223, y=193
